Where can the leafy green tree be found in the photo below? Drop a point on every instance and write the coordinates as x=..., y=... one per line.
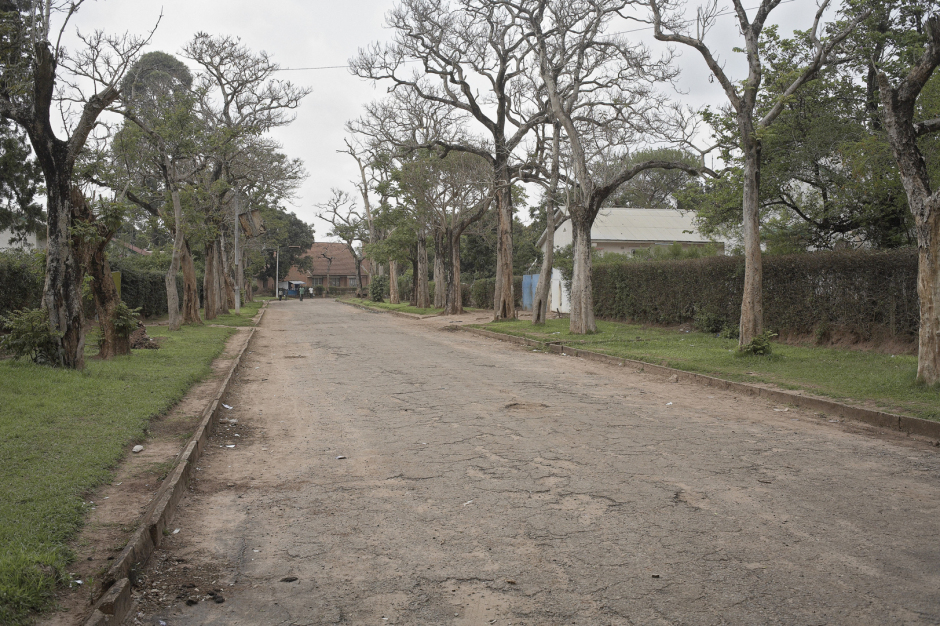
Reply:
x=20, y=180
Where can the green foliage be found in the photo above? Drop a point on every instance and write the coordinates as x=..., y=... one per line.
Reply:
x=862, y=293
x=653, y=188
x=20, y=182
x=125, y=319
x=21, y=279
x=30, y=334
x=759, y=345
x=378, y=288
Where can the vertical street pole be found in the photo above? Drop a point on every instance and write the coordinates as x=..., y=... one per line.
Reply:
x=238, y=264
x=277, y=270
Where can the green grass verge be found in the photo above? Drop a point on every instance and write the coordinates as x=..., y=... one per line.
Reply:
x=61, y=432
x=249, y=310
x=883, y=381
x=404, y=308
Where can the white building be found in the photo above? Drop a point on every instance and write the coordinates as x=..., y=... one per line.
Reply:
x=622, y=230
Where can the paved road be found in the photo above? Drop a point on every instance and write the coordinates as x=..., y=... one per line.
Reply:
x=483, y=483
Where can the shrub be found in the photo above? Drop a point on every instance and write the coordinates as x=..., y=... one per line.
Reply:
x=21, y=278
x=378, y=287
x=125, y=319
x=759, y=346
x=30, y=334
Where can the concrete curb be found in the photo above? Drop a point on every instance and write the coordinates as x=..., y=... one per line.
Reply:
x=902, y=423
x=115, y=601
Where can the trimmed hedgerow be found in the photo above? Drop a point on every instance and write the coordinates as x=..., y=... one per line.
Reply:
x=858, y=292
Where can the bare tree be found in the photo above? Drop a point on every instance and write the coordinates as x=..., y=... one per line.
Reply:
x=602, y=91
x=349, y=224
x=241, y=100
x=553, y=219
x=30, y=73
x=463, y=46
x=670, y=25
x=900, y=105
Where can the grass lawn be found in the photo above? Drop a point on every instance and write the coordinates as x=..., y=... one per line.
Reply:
x=404, y=308
x=868, y=378
x=61, y=432
x=249, y=310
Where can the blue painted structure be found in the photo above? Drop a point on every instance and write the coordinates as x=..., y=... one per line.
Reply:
x=530, y=283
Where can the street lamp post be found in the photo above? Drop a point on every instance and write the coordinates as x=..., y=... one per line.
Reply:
x=238, y=264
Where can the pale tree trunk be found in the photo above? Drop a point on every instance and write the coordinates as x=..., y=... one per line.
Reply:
x=440, y=288
x=900, y=105
x=422, y=297
x=453, y=304
x=172, y=297
x=393, y=296
x=227, y=283
x=752, y=307
x=543, y=291
x=504, y=305
x=581, y=321
x=220, y=283
x=210, y=285
x=190, y=286
x=542, y=304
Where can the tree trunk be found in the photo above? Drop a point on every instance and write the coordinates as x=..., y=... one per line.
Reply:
x=228, y=280
x=581, y=321
x=440, y=288
x=453, y=304
x=504, y=305
x=422, y=297
x=61, y=294
x=543, y=291
x=172, y=296
x=928, y=290
x=190, y=287
x=393, y=296
x=359, y=289
x=542, y=304
x=106, y=299
x=210, y=285
x=752, y=308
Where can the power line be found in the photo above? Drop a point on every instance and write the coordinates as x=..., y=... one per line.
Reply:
x=621, y=32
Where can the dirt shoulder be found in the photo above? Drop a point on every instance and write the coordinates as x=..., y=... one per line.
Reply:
x=119, y=505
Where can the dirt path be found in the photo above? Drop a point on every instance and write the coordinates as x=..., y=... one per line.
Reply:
x=484, y=484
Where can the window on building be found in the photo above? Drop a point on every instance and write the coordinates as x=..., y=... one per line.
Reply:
x=352, y=282
x=335, y=281
x=317, y=282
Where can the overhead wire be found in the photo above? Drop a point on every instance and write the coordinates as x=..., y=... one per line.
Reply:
x=621, y=32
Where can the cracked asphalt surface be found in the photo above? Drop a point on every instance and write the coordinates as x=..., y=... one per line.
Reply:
x=487, y=484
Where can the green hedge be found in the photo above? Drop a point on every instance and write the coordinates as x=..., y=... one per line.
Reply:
x=483, y=292
x=858, y=292
x=21, y=278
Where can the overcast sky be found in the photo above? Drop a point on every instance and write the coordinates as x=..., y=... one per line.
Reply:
x=319, y=33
